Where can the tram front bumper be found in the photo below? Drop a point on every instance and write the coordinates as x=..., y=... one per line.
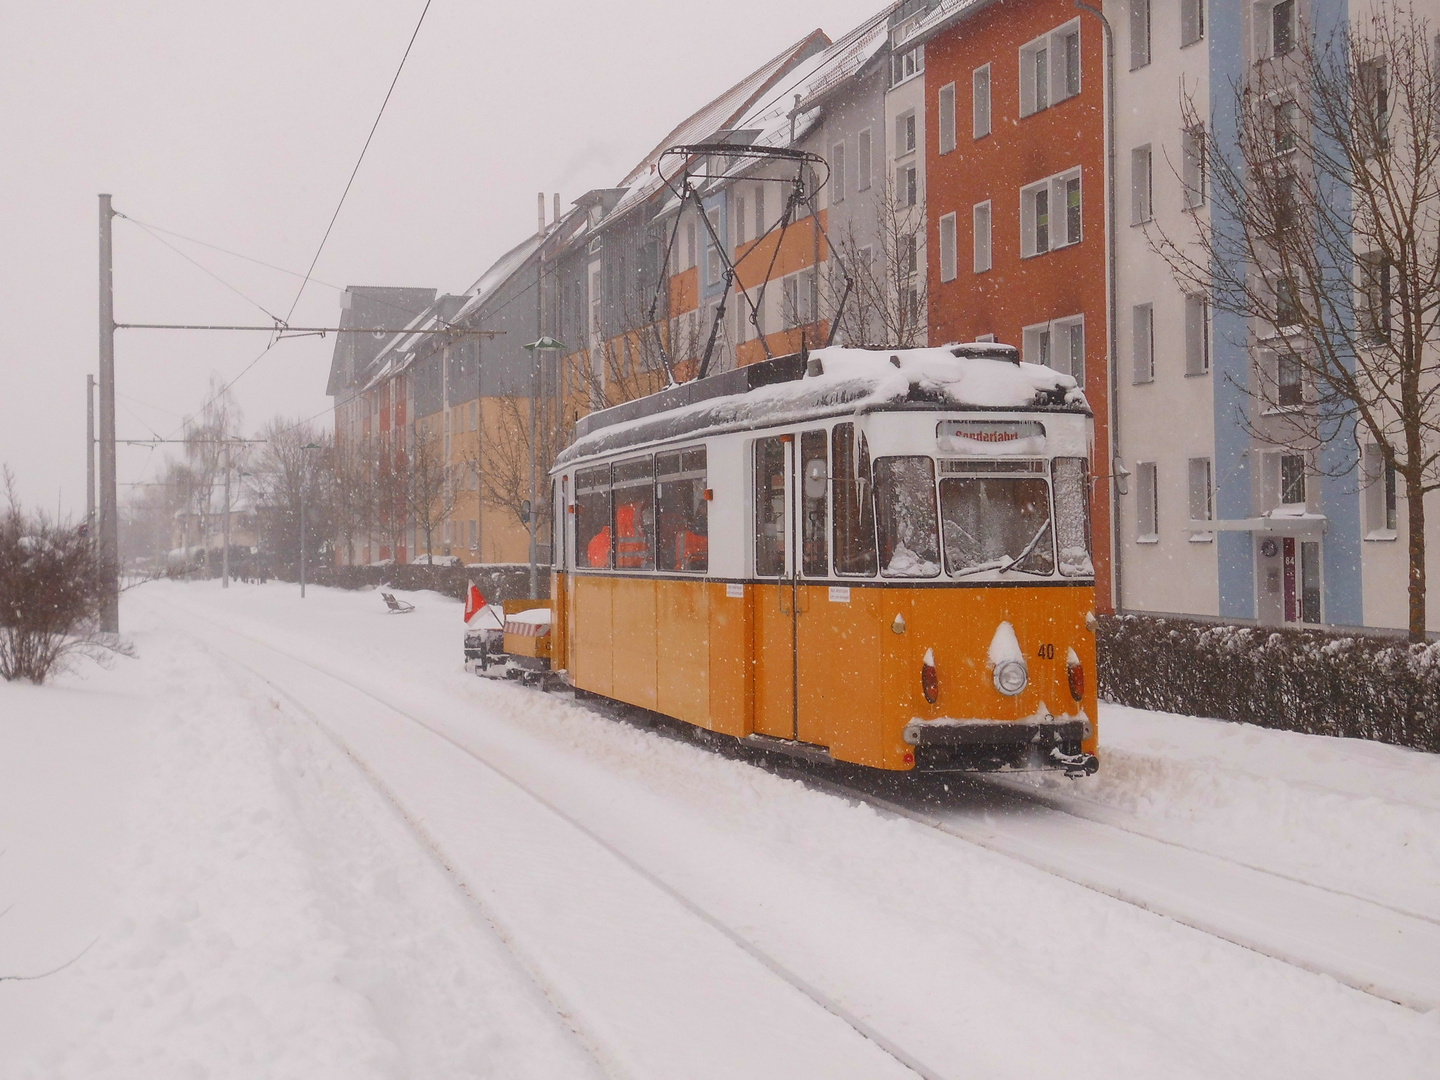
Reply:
x=1044, y=742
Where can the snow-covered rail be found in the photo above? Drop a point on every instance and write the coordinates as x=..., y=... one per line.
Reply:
x=1377, y=948
x=338, y=722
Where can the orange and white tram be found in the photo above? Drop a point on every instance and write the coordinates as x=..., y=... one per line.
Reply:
x=871, y=556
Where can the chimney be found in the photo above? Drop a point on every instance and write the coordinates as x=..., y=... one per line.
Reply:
x=540, y=206
x=557, y=207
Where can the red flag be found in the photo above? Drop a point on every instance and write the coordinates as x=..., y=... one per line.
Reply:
x=474, y=601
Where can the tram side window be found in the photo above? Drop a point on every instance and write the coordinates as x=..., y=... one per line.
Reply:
x=1072, y=515
x=815, y=506
x=905, y=512
x=854, y=512
x=634, y=525
x=592, y=517
x=682, y=523
x=769, y=507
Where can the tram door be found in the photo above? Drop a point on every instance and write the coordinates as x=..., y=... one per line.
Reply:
x=791, y=544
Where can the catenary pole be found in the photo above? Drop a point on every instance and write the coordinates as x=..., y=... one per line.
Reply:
x=90, y=452
x=109, y=522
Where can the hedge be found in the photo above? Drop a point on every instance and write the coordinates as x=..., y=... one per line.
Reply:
x=499, y=582
x=1312, y=681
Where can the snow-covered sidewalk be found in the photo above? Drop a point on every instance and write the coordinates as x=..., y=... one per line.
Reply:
x=260, y=906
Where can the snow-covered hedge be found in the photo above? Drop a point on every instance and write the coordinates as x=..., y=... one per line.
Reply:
x=499, y=582
x=1312, y=681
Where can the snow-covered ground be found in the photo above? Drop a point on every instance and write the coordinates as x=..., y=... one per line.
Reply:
x=294, y=839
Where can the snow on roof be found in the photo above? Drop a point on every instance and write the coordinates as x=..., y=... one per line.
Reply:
x=500, y=272
x=717, y=115
x=947, y=12
x=847, y=57
x=857, y=379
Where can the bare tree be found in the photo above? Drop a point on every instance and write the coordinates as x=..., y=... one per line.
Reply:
x=205, y=452
x=286, y=471
x=352, y=495
x=429, y=491
x=887, y=298
x=1323, y=235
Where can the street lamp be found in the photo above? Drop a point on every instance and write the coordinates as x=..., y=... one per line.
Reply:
x=548, y=344
x=304, y=476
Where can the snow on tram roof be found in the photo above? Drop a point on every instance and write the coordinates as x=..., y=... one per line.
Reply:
x=968, y=376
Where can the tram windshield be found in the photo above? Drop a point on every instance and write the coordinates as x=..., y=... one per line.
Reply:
x=997, y=523
x=905, y=514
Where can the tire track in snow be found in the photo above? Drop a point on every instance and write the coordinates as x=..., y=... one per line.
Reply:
x=604, y=1058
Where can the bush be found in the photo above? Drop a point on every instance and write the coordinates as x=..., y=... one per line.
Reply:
x=499, y=582
x=1312, y=681
x=52, y=584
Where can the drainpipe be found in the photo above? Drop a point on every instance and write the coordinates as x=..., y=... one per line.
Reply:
x=1114, y=360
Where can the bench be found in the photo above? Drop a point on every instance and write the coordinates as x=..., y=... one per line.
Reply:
x=397, y=607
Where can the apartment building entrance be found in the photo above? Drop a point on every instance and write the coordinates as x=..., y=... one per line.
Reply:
x=1288, y=579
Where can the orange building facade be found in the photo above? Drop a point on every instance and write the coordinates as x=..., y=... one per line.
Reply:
x=1016, y=205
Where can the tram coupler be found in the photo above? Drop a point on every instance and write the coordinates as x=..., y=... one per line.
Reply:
x=1076, y=765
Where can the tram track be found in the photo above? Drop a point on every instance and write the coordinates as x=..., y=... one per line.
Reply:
x=1336, y=905
x=1413, y=939
x=607, y=1059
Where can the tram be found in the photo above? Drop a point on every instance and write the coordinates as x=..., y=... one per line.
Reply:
x=874, y=556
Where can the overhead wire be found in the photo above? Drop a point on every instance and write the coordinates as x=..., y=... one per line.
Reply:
x=361, y=158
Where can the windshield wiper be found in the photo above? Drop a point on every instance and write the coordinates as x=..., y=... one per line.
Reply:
x=1028, y=549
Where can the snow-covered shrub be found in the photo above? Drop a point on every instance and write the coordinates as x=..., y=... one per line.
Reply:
x=1312, y=681
x=52, y=583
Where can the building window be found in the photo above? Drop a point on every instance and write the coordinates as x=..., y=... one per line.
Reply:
x=1197, y=335
x=1142, y=322
x=1139, y=33
x=980, y=101
x=948, y=258
x=1193, y=151
x=862, y=161
x=759, y=211
x=1282, y=27
x=905, y=134
x=1147, y=502
x=1068, y=346
x=1141, y=189
x=1381, y=504
x=740, y=218
x=908, y=254
x=689, y=246
x=1202, y=503
x=837, y=172
x=1050, y=214
x=980, y=216
x=1285, y=126
x=1374, y=115
x=1058, y=344
x=1050, y=68
x=906, y=65
x=1292, y=479
x=1192, y=21
x=1289, y=387
x=1035, y=344
x=946, y=109
x=1374, y=299
x=1287, y=306
x=907, y=185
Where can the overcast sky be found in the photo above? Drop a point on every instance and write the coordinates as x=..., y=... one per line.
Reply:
x=238, y=124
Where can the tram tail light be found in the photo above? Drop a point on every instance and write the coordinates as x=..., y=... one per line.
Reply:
x=1075, y=672
x=929, y=677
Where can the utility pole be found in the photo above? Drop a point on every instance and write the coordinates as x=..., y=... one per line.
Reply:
x=109, y=521
x=90, y=453
x=225, y=556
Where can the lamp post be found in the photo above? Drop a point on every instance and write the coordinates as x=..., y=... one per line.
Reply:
x=544, y=344
x=304, y=477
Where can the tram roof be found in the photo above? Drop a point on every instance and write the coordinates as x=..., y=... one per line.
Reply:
x=826, y=382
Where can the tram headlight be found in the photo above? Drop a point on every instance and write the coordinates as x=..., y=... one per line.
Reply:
x=1011, y=677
